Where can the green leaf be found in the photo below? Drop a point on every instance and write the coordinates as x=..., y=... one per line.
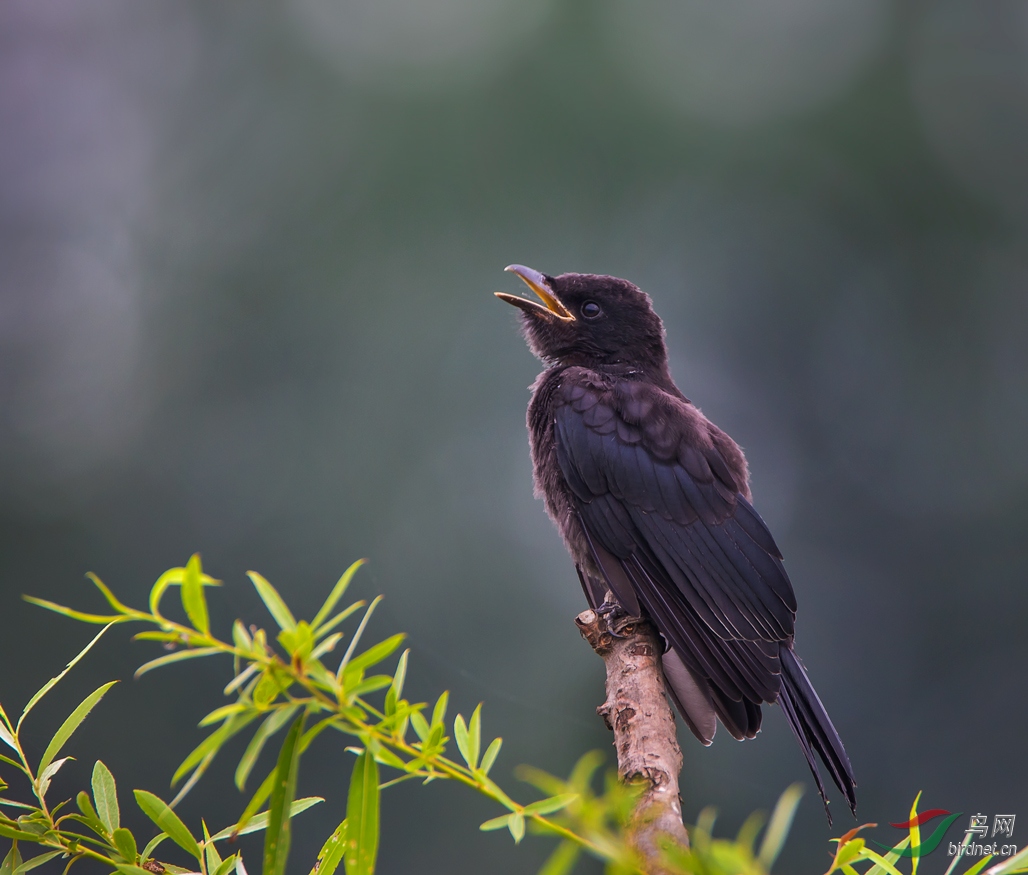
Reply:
x=496, y=823
x=298, y=641
x=460, y=735
x=475, y=736
x=50, y=684
x=178, y=656
x=241, y=678
x=107, y=594
x=105, y=795
x=260, y=821
x=192, y=595
x=7, y=738
x=219, y=714
x=276, y=607
x=331, y=853
x=167, y=820
x=81, y=616
x=71, y=724
x=326, y=646
x=357, y=636
x=210, y=852
x=338, y=618
x=491, y=753
x=240, y=637
x=778, y=826
x=562, y=860
x=45, y=776
x=132, y=869
x=274, y=722
x=981, y=864
x=213, y=742
x=420, y=724
x=279, y=831
x=172, y=575
x=374, y=655
x=152, y=845
x=125, y=842
x=439, y=712
x=36, y=861
x=1016, y=863
x=11, y=862
x=554, y=803
x=516, y=825
x=400, y=675
x=267, y=689
x=362, y=817
x=337, y=593
x=226, y=866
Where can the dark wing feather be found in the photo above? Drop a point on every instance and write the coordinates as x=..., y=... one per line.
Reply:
x=669, y=527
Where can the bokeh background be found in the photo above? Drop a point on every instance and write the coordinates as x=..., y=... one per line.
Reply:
x=246, y=261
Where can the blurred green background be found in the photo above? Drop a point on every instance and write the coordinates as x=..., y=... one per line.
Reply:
x=246, y=257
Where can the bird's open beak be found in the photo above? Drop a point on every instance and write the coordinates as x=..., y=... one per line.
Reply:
x=538, y=284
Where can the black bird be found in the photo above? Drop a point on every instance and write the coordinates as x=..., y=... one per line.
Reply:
x=653, y=502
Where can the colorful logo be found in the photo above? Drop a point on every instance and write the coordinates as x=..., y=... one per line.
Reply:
x=916, y=848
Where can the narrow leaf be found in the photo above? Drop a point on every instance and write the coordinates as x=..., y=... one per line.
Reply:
x=7, y=738
x=439, y=712
x=337, y=593
x=107, y=594
x=331, y=853
x=210, y=852
x=36, y=861
x=475, y=736
x=192, y=595
x=400, y=675
x=213, y=742
x=460, y=735
x=279, y=831
x=548, y=806
x=275, y=721
x=105, y=795
x=172, y=575
x=490, y=755
x=49, y=685
x=82, y=616
x=496, y=823
x=45, y=776
x=125, y=842
x=152, y=845
x=160, y=813
x=338, y=618
x=362, y=817
x=275, y=605
x=71, y=724
x=178, y=656
x=11, y=862
x=778, y=826
x=374, y=655
x=357, y=635
x=260, y=821
x=226, y=866
x=516, y=825
x=420, y=725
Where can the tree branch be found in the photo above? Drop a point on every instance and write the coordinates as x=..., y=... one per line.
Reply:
x=638, y=712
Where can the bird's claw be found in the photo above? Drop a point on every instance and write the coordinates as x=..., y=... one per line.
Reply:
x=615, y=619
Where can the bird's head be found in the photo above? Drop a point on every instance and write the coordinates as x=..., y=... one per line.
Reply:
x=591, y=320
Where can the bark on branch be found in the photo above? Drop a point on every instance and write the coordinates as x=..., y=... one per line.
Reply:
x=638, y=712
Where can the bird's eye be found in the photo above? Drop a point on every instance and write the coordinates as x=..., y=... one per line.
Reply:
x=590, y=309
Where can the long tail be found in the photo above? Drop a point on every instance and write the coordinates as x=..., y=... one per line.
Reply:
x=813, y=729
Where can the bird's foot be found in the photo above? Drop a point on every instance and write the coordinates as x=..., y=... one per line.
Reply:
x=617, y=622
